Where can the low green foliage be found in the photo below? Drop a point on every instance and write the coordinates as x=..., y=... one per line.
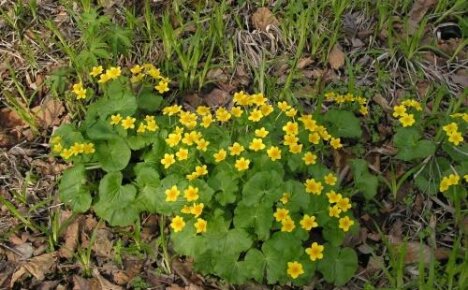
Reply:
x=245, y=187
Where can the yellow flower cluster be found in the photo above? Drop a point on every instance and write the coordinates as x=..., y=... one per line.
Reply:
x=338, y=205
x=315, y=252
x=140, y=71
x=463, y=116
x=454, y=136
x=447, y=181
x=348, y=98
x=196, y=209
x=74, y=150
x=149, y=124
x=79, y=91
x=401, y=112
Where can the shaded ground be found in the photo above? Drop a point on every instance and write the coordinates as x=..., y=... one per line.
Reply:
x=384, y=51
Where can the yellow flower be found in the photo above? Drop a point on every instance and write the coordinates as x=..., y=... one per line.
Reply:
x=291, y=112
x=447, y=181
x=274, y=153
x=258, y=99
x=57, y=148
x=103, y=78
x=308, y=222
x=141, y=128
x=162, y=87
x=220, y=155
x=256, y=145
x=309, y=158
x=266, y=109
x=237, y=111
x=283, y=106
x=333, y=197
x=309, y=123
x=128, y=123
x=168, y=160
x=191, y=193
x=346, y=223
x=115, y=119
x=203, y=110
x=455, y=137
x=113, y=72
x=177, y=223
x=77, y=148
x=155, y=73
x=242, y=164
x=412, y=103
x=172, y=193
x=364, y=110
x=453, y=179
x=334, y=211
x=136, y=78
x=236, y=149
x=261, y=133
x=344, y=204
x=151, y=126
x=330, y=96
x=201, y=170
x=287, y=225
x=449, y=128
x=207, y=120
x=289, y=139
x=241, y=98
x=136, y=69
x=56, y=139
x=186, y=209
x=407, y=120
x=285, y=198
x=192, y=176
x=88, y=148
x=202, y=144
x=95, y=71
x=188, y=119
x=281, y=214
x=172, y=110
x=200, y=226
x=173, y=139
x=222, y=115
x=323, y=133
x=256, y=115
x=399, y=111
x=313, y=186
x=182, y=154
x=295, y=269
x=336, y=143
x=330, y=179
x=197, y=209
x=315, y=251
x=191, y=137
x=291, y=128
x=66, y=154
x=295, y=148
x=314, y=138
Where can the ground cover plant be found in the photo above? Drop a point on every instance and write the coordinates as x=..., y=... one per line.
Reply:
x=233, y=144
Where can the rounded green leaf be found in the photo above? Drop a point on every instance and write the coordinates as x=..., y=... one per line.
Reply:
x=113, y=154
x=338, y=265
x=73, y=189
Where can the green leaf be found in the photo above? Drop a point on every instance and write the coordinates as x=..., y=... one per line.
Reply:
x=363, y=180
x=259, y=217
x=100, y=130
x=73, y=189
x=299, y=199
x=343, y=124
x=205, y=191
x=187, y=242
x=147, y=179
x=263, y=186
x=69, y=135
x=254, y=265
x=225, y=186
x=116, y=201
x=148, y=100
x=157, y=200
x=410, y=147
x=338, y=265
x=280, y=249
x=333, y=234
x=113, y=154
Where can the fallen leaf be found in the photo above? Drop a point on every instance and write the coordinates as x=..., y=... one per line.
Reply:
x=262, y=18
x=10, y=119
x=217, y=98
x=48, y=113
x=336, y=58
x=37, y=266
x=460, y=78
x=193, y=100
x=417, y=12
x=80, y=283
x=304, y=62
x=382, y=102
x=102, y=246
x=70, y=237
x=105, y=285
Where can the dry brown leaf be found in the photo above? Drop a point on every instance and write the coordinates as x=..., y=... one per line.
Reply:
x=303, y=62
x=382, y=102
x=80, y=283
x=37, y=266
x=48, y=113
x=174, y=287
x=193, y=100
x=336, y=58
x=105, y=285
x=102, y=247
x=417, y=12
x=262, y=18
x=10, y=119
x=70, y=237
x=217, y=98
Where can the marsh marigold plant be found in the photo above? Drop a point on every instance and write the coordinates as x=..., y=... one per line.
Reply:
x=243, y=186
